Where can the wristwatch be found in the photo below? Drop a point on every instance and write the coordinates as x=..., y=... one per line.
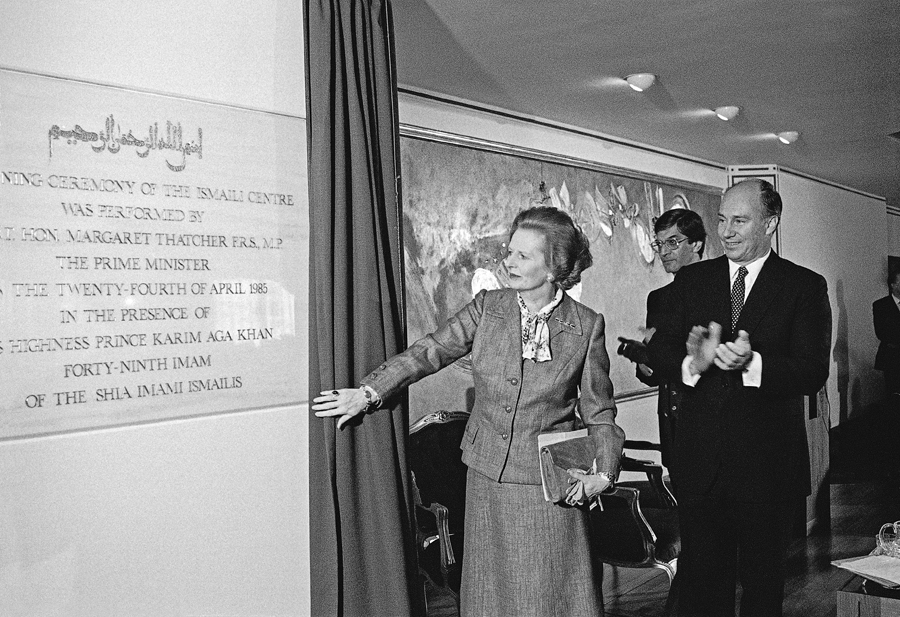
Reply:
x=372, y=398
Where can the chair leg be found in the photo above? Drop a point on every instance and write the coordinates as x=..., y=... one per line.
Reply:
x=423, y=587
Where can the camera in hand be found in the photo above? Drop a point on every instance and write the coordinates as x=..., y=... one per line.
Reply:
x=636, y=351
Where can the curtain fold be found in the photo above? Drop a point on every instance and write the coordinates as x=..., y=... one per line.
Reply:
x=362, y=547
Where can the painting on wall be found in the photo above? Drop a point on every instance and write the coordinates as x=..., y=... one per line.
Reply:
x=459, y=198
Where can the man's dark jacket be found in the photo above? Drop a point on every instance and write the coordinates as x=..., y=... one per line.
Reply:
x=669, y=395
x=751, y=440
x=886, y=316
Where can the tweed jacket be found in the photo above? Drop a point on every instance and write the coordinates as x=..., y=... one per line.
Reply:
x=747, y=440
x=516, y=400
x=886, y=318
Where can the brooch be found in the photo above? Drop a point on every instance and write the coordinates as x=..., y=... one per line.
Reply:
x=565, y=323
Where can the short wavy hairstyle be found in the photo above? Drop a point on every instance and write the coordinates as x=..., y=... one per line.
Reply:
x=566, y=248
x=687, y=222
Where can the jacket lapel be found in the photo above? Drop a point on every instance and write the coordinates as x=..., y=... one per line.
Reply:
x=509, y=341
x=564, y=319
x=721, y=302
x=766, y=288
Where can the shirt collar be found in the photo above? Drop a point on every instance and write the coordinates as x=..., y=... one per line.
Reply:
x=753, y=267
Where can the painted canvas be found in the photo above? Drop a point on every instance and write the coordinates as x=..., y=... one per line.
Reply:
x=459, y=200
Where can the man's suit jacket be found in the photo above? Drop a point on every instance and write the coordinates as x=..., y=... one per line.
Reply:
x=886, y=316
x=513, y=406
x=746, y=440
x=670, y=391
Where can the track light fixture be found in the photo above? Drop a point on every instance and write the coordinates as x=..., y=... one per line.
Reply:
x=640, y=81
x=788, y=137
x=727, y=112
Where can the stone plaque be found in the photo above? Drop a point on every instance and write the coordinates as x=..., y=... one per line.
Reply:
x=153, y=257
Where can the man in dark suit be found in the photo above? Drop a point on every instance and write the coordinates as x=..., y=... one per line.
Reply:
x=757, y=331
x=680, y=240
x=886, y=315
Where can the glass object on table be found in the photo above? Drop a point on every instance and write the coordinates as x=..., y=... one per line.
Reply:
x=887, y=542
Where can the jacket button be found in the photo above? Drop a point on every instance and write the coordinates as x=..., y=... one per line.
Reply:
x=504, y=436
x=514, y=381
x=383, y=366
x=507, y=409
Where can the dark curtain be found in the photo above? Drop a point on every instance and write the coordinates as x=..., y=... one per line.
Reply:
x=362, y=549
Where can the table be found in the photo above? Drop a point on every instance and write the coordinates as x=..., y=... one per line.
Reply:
x=861, y=598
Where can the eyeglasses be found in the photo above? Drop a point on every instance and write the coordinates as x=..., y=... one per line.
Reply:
x=670, y=243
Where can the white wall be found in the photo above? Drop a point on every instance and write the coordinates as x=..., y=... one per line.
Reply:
x=841, y=235
x=205, y=516
x=892, y=232
x=241, y=53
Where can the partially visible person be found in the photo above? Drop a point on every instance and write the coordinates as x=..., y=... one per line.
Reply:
x=540, y=364
x=886, y=316
x=749, y=334
x=680, y=241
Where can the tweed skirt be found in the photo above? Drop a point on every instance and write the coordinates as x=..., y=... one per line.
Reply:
x=524, y=556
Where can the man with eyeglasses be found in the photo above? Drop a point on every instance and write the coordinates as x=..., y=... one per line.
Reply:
x=680, y=240
x=749, y=334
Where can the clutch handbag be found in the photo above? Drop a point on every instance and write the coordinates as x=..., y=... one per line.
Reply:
x=560, y=452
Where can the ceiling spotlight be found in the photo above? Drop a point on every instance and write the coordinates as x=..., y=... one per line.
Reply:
x=640, y=81
x=727, y=112
x=788, y=137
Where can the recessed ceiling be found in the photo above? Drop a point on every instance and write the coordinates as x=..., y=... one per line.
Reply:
x=829, y=69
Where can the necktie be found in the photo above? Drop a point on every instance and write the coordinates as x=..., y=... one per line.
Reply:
x=737, y=296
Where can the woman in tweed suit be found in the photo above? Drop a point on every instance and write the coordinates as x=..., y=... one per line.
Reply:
x=539, y=358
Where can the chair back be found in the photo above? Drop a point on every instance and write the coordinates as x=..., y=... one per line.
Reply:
x=620, y=535
x=439, y=483
x=436, y=461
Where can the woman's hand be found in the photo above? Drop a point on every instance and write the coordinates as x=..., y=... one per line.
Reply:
x=346, y=402
x=585, y=486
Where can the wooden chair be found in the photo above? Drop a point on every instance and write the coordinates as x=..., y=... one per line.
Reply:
x=656, y=487
x=439, y=486
x=628, y=534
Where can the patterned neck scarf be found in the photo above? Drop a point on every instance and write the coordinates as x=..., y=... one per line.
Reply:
x=535, y=332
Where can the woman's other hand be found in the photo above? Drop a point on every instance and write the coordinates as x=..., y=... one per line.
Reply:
x=585, y=486
x=346, y=402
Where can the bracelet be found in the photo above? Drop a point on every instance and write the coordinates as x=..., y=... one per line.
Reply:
x=609, y=478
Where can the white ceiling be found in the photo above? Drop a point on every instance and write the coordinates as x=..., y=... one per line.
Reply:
x=829, y=69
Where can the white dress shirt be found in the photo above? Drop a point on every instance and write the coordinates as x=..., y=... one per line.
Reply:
x=752, y=373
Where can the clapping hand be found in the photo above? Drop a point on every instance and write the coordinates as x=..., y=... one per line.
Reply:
x=702, y=345
x=734, y=356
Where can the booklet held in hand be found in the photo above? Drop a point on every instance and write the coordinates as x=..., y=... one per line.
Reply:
x=560, y=452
